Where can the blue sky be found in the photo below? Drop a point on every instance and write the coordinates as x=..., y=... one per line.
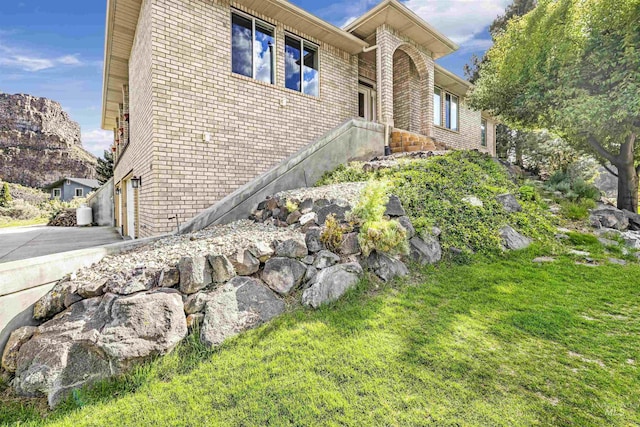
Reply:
x=55, y=48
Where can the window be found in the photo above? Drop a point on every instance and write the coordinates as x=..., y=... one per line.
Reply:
x=79, y=192
x=437, y=107
x=57, y=193
x=483, y=132
x=252, y=52
x=301, y=65
x=451, y=111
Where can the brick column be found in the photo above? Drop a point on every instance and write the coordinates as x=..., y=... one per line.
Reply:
x=428, y=102
x=384, y=59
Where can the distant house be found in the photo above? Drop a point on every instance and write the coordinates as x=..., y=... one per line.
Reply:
x=67, y=189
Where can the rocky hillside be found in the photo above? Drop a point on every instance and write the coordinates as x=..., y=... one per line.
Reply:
x=39, y=143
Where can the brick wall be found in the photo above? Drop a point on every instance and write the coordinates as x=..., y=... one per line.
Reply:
x=194, y=91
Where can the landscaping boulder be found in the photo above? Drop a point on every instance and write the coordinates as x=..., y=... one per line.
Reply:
x=293, y=217
x=92, y=289
x=262, y=250
x=307, y=218
x=609, y=217
x=98, y=338
x=425, y=251
x=283, y=274
x=240, y=304
x=53, y=302
x=195, y=303
x=11, y=349
x=310, y=274
x=244, y=262
x=168, y=278
x=634, y=220
x=509, y=203
x=384, y=266
x=195, y=274
x=137, y=280
x=350, y=244
x=512, y=240
x=394, y=207
x=306, y=206
x=221, y=269
x=312, y=240
x=632, y=239
x=337, y=210
x=473, y=201
x=405, y=222
x=325, y=259
x=331, y=283
x=292, y=248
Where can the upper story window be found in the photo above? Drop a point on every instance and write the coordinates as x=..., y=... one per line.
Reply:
x=483, y=132
x=301, y=65
x=252, y=48
x=79, y=192
x=437, y=106
x=57, y=193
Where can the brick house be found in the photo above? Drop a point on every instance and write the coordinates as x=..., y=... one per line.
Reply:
x=204, y=95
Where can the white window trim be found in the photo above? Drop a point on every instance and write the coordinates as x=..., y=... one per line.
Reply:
x=253, y=20
x=58, y=191
x=317, y=48
x=81, y=190
x=484, y=123
x=443, y=110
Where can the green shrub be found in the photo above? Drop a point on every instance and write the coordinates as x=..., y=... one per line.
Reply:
x=373, y=202
x=332, y=233
x=572, y=188
x=291, y=206
x=577, y=210
x=585, y=190
x=353, y=172
x=384, y=235
x=528, y=193
x=5, y=195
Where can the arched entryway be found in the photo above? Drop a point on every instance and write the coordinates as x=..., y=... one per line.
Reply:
x=410, y=90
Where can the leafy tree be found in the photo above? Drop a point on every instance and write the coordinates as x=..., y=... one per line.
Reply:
x=105, y=167
x=5, y=195
x=573, y=67
x=509, y=142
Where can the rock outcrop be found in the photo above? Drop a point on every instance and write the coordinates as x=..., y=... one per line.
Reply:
x=39, y=143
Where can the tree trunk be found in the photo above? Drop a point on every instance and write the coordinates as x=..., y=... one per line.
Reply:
x=627, y=187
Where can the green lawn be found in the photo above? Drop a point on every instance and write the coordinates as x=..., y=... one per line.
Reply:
x=7, y=223
x=502, y=342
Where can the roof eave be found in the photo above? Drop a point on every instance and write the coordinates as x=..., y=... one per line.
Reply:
x=108, y=36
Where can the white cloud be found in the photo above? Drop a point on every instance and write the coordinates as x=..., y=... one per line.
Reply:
x=97, y=140
x=460, y=20
x=32, y=62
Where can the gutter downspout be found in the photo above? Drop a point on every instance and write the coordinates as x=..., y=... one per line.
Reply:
x=387, y=148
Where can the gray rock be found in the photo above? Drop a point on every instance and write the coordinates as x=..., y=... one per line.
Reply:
x=325, y=259
x=405, y=222
x=262, y=250
x=195, y=303
x=138, y=280
x=384, y=266
x=331, y=283
x=293, y=217
x=350, y=244
x=98, y=338
x=509, y=203
x=310, y=274
x=195, y=274
x=244, y=263
x=338, y=211
x=319, y=204
x=425, y=251
x=617, y=261
x=512, y=240
x=632, y=239
x=436, y=232
x=11, y=349
x=394, y=207
x=607, y=242
x=308, y=260
x=53, y=302
x=307, y=218
x=634, y=220
x=579, y=253
x=292, y=248
x=306, y=206
x=312, y=240
x=240, y=304
x=283, y=274
x=92, y=289
x=221, y=269
x=473, y=201
x=543, y=259
x=169, y=278
x=609, y=217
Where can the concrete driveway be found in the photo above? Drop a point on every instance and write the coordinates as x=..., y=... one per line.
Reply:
x=29, y=242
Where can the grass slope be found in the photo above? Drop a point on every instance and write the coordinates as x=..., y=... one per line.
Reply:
x=505, y=342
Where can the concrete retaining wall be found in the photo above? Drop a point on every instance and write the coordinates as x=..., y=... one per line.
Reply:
x=24, y=282
x=353, y=140
x=101, y=203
